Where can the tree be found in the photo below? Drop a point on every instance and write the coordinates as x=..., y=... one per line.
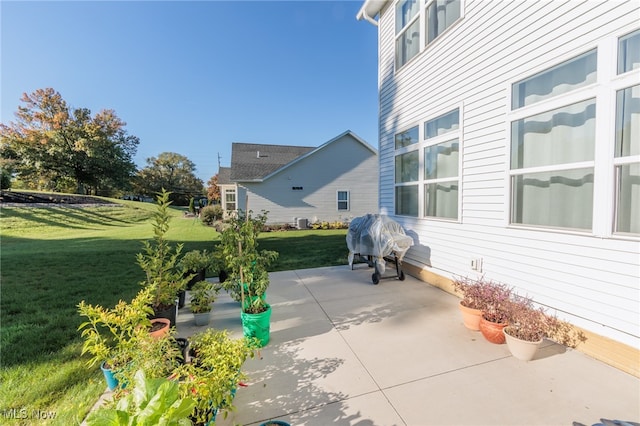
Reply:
x=213, y=191
x=174, y=173
x=53, y=144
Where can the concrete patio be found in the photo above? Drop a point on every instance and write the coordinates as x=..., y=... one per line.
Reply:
x=346, y=352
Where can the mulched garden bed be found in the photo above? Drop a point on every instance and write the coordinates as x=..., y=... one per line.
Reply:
x=36, y=199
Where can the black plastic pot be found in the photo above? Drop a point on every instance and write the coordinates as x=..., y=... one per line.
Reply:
x=201, y=275
x=168, y=313
x=181, y=299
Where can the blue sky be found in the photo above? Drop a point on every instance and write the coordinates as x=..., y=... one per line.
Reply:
x=193, y=77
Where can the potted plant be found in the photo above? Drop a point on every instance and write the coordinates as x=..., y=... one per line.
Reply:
x=196, y=263
x=202, y=296
x=480, y=296
x=473, y=301
x=159, y=262
x=529, y=325
x=213, y=373
x=246, y=267
x=496, y=312
x=112, y=335
x=154, y=401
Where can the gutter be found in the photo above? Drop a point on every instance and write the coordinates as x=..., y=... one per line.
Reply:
x=369, y=10
x=363, y=14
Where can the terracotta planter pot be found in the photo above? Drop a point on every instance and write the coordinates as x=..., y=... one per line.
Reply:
x=160, y=331
x=470, y=317
x=521, y=349
x=492, y=331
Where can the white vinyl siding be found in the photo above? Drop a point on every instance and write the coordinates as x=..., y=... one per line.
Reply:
x=589, y=276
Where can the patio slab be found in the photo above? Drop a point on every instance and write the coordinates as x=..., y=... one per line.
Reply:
x=346, y=352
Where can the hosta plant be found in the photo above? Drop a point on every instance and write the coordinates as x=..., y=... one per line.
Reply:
x=153, y=401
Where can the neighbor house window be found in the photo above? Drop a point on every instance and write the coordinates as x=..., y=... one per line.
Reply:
x=553, y=152
x=440, y=15
x=627, y=171
x=230, y=199
x=441, y=165
x=343, y=200
x=629, y=52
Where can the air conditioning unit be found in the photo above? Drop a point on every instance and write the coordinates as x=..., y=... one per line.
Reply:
x=302, y=223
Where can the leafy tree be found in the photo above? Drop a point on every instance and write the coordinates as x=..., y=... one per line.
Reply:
x=172, y=172
x=213, y=191
x=55, y=144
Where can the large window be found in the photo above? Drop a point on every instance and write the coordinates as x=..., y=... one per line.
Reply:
x=564, y=141
x=427, y=168
x=552, y=153
x=420, y=22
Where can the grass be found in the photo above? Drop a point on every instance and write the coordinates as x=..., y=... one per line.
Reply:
x=52, y=258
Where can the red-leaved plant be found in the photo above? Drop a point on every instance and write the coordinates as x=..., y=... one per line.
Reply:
x=532, y=323
x=492, y=298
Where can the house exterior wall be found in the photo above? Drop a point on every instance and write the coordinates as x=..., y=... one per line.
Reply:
x=342, y=165
x=590, y=278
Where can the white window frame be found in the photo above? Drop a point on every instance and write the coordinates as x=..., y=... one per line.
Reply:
x=421, y=19
x=604, y=164
x=338, y=200
x=449, y=136
x=419, y=148
x=411, y=148
x=234, y=192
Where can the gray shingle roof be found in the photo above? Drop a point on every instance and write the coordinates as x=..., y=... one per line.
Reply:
x=224, y=176
x=255, y=161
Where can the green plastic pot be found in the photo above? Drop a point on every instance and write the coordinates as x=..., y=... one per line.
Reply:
x=257, y=325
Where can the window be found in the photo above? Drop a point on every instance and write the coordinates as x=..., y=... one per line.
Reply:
x=407, y=200
x=230, y=199
x=441, y=125
x=407, y=138
x=441, y=14
x=407, y=31
x=561, y=195
x=441, y=164
x=343, y=200
x=406, y=178
x=627, y=171
x=427, y=172
x=441, y=180
x=575, y=73
x=419, y=23
x=629, y=52
x=553, y=152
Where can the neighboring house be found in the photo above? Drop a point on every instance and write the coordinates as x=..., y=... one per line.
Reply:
x=333, y=182
x=509, y=147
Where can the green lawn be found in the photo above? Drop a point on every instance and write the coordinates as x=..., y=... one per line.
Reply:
x=52, y=258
